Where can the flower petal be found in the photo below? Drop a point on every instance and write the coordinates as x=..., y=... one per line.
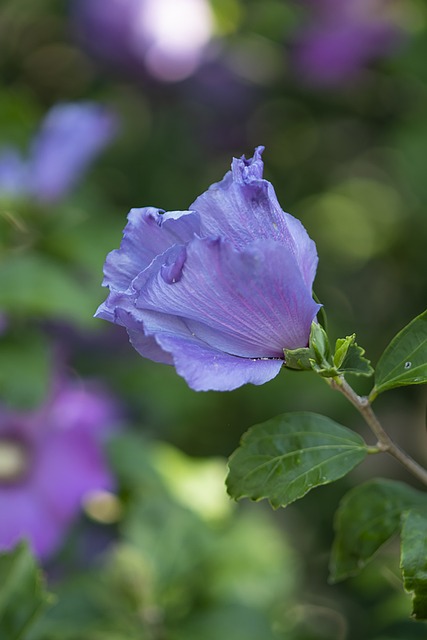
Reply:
x=243, y=207
x=146, y=345
x=166, y=338
x=71, y=136
x=251, y=303
x=148, y=233
x=205, y=368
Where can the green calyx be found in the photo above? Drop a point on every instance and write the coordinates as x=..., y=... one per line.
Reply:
x=318, y=356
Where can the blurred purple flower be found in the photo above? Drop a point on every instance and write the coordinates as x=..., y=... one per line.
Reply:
x=165, y=38
x=70, y=138
x=218, y=291
x=342, y=37
x=50, y=460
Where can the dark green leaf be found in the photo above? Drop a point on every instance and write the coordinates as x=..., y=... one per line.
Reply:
x=404, y=361
x=284, y=458
x=413, y=560
x=367, y=517
x=22, y=594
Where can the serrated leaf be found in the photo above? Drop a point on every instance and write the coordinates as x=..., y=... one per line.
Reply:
x=367, y=517
x=342, y=346
x=413, y=560
x=22, y=594
x=350, y=357
x=404, y=362
x=283, y=458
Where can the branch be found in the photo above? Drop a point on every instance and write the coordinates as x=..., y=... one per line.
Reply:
x=385, y=443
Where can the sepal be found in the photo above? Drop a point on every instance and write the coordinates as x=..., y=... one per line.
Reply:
x=348, y=356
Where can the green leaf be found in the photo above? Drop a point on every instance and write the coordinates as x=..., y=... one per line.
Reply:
x=348, y=357
x=22, y=594
x=404, y=361
x=342, y=346
x=413, y=560
x=284, y=458
x=367, y=517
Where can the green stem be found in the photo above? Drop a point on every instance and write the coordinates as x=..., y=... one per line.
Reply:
x=385, y=443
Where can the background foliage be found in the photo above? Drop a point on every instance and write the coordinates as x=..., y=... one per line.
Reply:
x=176, y=559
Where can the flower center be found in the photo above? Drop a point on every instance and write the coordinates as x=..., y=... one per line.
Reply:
x=13, y=461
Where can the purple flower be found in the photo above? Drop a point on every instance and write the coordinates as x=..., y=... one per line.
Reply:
x=220, y=290
x=165, y=38
x=342, y=37
x=70, y=138
x=50, y=459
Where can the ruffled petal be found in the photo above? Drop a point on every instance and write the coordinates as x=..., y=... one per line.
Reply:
x=148, y=233
x=243, y=207
x=251, y=303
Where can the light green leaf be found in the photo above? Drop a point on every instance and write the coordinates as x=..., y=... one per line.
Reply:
x=413, y=560
x=342, y=346
x=284, y=458
x=404, y=361
x=348, y=357
x=22, y=594
x=367, y=517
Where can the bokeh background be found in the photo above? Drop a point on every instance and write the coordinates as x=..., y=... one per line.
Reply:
x=149, y=546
